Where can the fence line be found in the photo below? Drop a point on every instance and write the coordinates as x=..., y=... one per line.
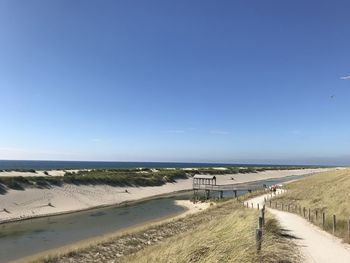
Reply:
x=311, y=215
x=261, y=224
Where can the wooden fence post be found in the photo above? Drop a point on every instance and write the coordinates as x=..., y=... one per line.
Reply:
x=260, y=221
x=252, y=205
x=334, y=224
x=207, y=194
x=262, y=216
x=316, y=215
x=304, y=211
x=258, y=233
x=257, y=206
x=309, y=215
x=258, y=237
x=323, y=220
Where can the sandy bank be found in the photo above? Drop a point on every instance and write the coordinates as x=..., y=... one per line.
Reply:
x=192, y=208
x=67, y=198
x=37, y=173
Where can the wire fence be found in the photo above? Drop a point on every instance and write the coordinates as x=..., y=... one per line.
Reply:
x=329, y=222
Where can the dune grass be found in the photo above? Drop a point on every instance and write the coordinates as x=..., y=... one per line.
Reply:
x=224, y=232
x=113, y=177
x=327, y=193
x=121, y=176
x=229, y=239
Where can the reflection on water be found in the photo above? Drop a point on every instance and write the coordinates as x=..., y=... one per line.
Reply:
x=24, y=238
x=98, y=214
x=267, y=183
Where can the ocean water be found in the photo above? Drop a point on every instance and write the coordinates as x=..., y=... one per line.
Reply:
x=50, y=165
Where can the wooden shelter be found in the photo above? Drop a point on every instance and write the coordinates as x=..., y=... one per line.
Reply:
x=200, y=179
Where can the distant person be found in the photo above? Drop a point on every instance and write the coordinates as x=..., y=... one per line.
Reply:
x=273, y=189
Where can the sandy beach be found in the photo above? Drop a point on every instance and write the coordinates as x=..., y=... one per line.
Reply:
x=37, y=173
x=32, y=202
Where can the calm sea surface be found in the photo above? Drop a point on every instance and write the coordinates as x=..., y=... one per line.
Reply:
x=49, y=165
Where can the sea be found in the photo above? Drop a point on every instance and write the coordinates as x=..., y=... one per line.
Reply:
x=51, y=165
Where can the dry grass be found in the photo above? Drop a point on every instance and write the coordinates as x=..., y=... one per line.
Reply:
x=229, y=239
x=229, y=236
x=325, y=192
x=222, y=233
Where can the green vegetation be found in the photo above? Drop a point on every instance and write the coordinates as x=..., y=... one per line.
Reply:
x=224, y=232
x=121, y=177
x=325, y=192
x=124, y=177
x=94, y=177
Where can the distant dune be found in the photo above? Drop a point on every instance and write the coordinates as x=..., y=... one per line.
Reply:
x=33, y=202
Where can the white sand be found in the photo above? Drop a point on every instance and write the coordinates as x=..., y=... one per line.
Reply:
x=68, y=198
x=249, y=177
x=37, y=173
x=192, y=208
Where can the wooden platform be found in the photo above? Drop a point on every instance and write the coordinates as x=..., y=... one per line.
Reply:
x=228, y=187
x=208, y=187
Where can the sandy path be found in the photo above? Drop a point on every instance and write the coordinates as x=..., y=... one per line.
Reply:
x=315, y=245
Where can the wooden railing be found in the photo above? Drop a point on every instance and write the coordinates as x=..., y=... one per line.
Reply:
x=315, y=216
x=228, y=187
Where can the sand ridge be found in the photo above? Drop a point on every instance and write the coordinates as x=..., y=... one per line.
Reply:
x=34, y=202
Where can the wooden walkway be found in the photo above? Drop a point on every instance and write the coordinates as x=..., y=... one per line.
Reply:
x=228, y=187
x=249, y=187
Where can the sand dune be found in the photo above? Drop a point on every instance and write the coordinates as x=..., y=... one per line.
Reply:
x=37, y=173
x=34, y=202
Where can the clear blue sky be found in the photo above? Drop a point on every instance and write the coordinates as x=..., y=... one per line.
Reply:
x=204, y=81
